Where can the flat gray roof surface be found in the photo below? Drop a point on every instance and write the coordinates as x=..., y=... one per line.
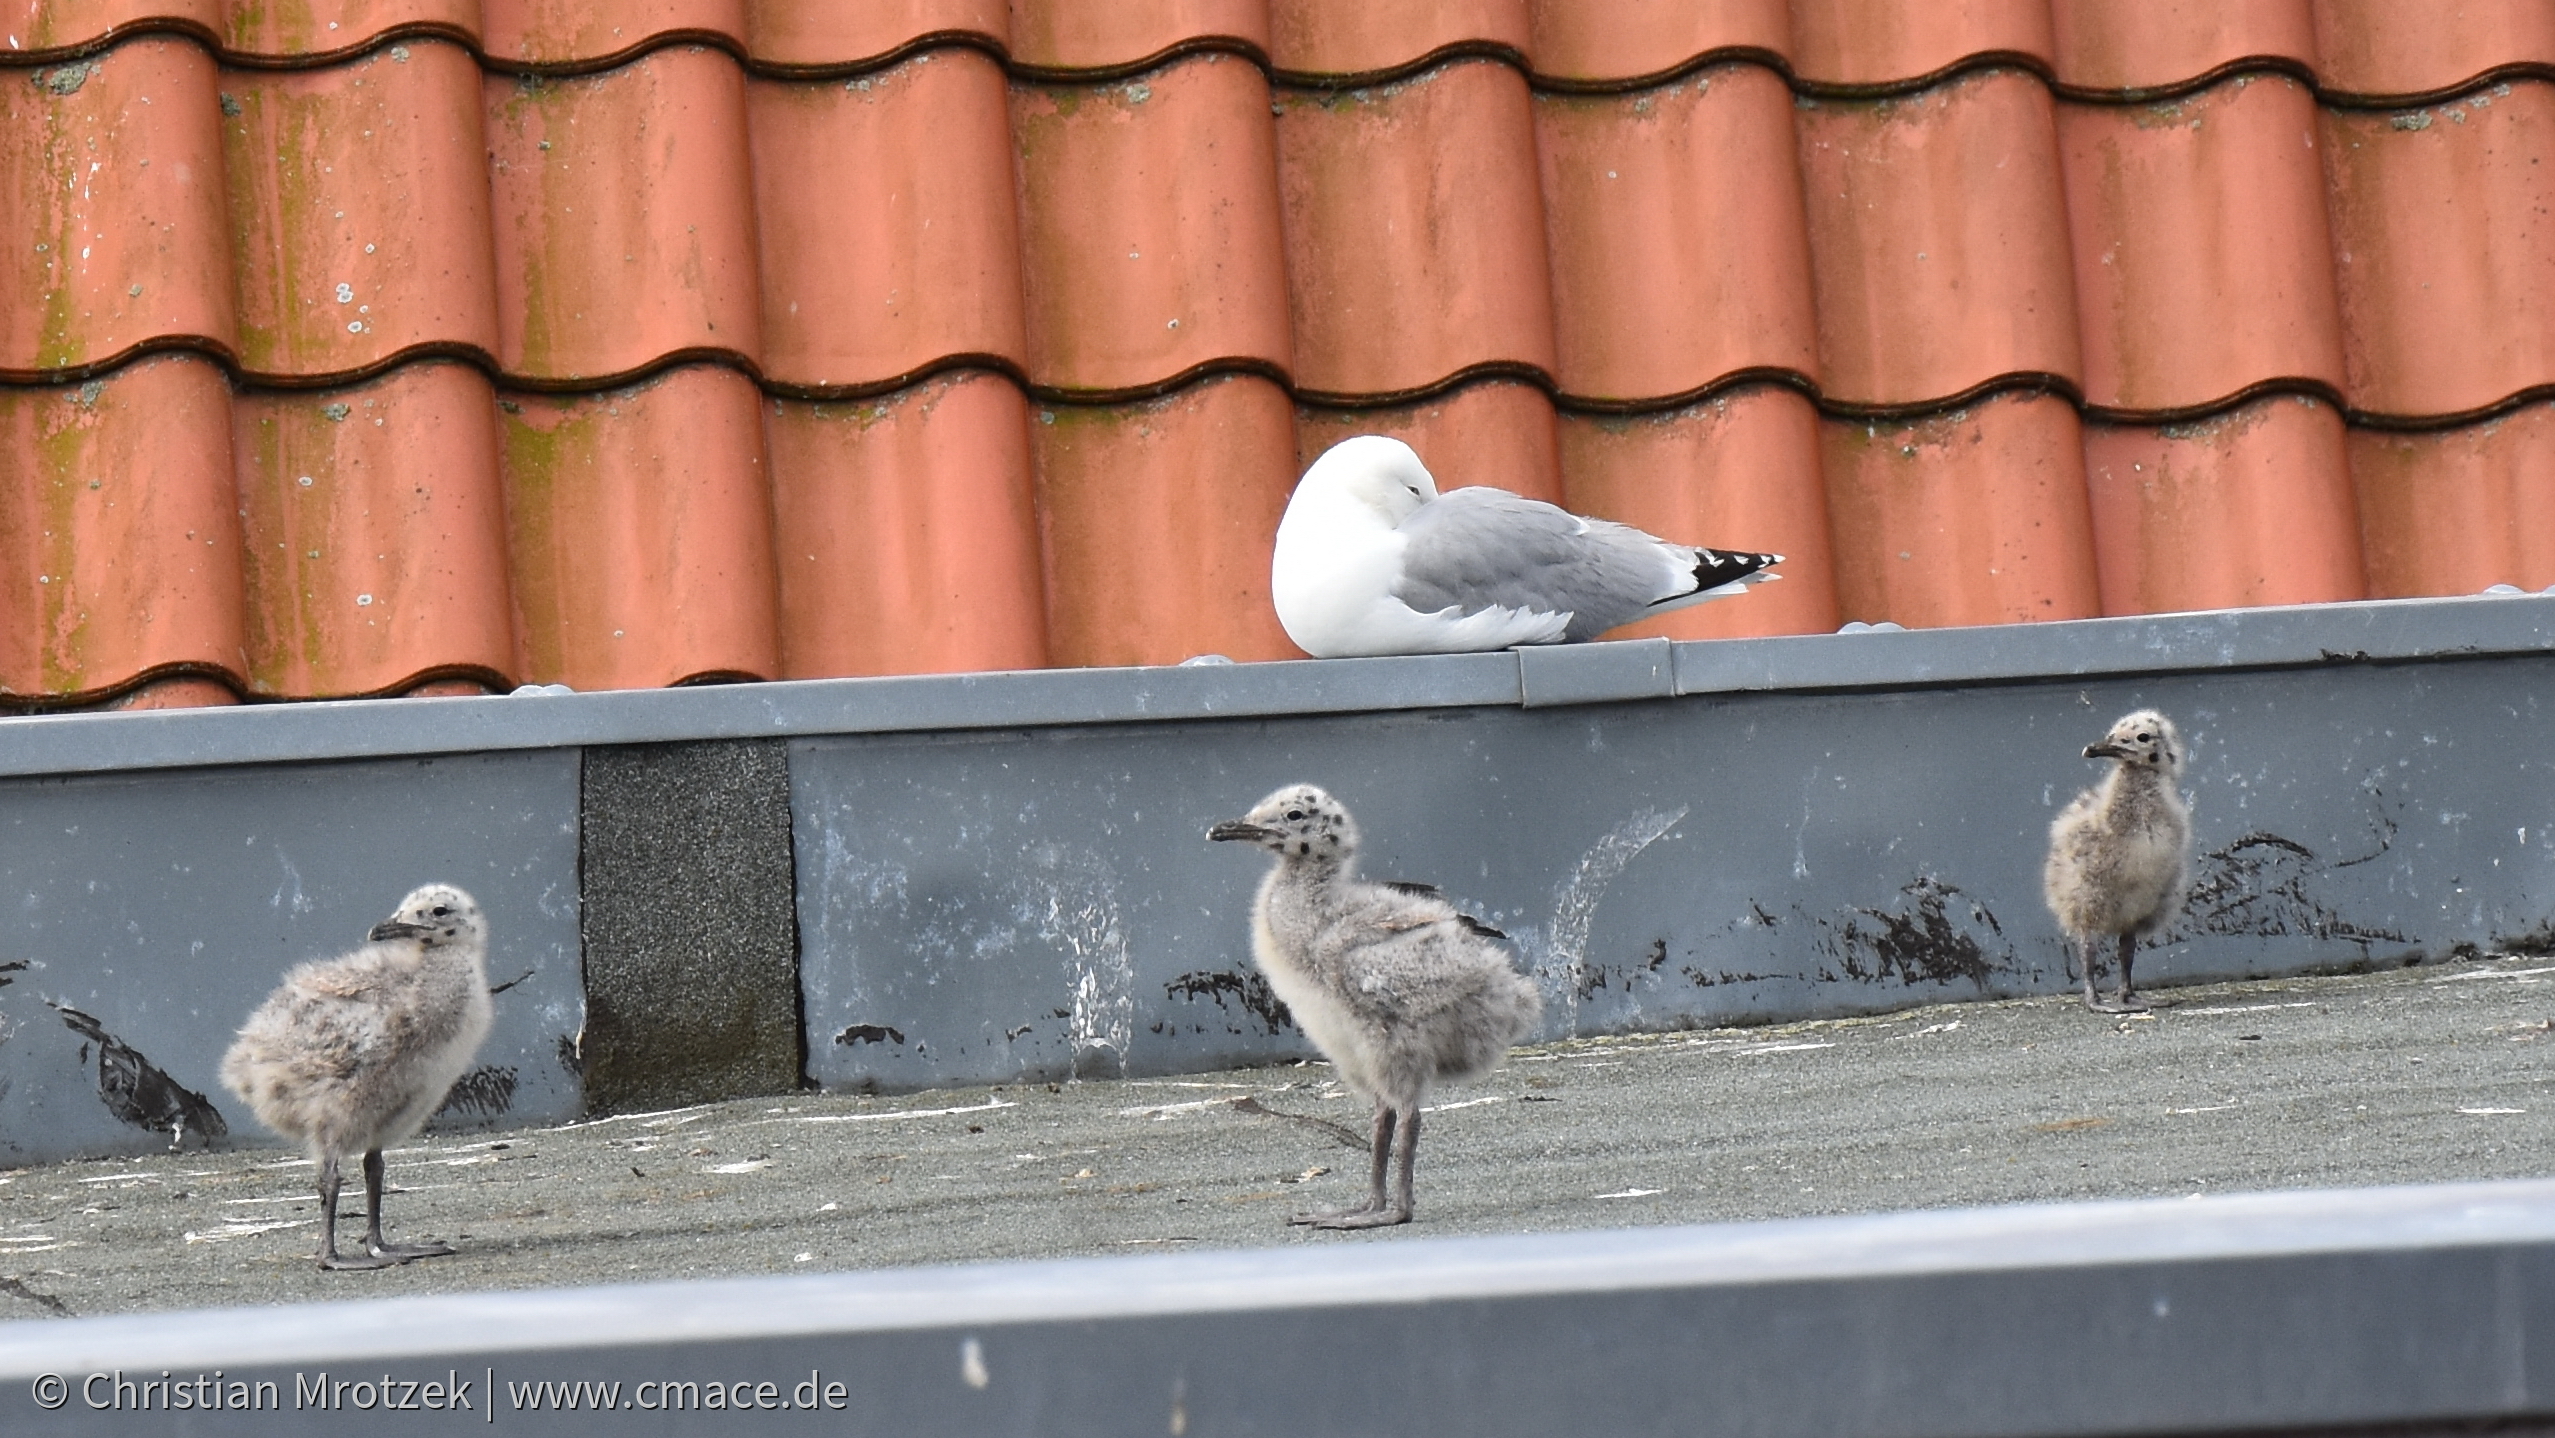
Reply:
x=2421, y=1075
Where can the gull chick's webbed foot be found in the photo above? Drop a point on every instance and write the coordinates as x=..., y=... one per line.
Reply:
x=1371, y=559
x=2120, y=855
x=1397, y=988
x=355, y=1053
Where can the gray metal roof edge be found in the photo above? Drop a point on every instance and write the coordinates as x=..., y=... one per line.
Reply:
x=372, y=728
x=2386, y=630
x=2009, y=1239
x=2285, y=637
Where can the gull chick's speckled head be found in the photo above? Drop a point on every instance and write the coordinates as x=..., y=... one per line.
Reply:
x=1297, y=822
x=2146, y=739
x=435, y=916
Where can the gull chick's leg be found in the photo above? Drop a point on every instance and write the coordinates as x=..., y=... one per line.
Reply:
x=1380, y=1156
x=2085, y=961
x=330, y=1183
x=373, y=1241
x=1380, y=1214
x=2127, y=1000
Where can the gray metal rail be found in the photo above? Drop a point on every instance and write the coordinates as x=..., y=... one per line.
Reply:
x=2424, y=1307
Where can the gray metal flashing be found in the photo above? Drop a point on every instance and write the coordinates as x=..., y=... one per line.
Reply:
x=1557, y=674
x=2378, y=631
x=2296, y=1309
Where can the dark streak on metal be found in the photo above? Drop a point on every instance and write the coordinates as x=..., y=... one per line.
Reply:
x=1924, y=947
x=1703, y=980
x=485, y=1092
x=2258, y=887
x=137, y=1091
x=1251, y=991
x=869, y=1034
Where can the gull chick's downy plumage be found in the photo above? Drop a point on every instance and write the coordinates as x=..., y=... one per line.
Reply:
x=1397, y=988
x=1371, y=559
x=2120, y=855
x=355, y=1053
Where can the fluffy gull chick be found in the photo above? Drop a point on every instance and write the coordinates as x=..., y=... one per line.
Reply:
x=2120, y=855
x=355, y=1053
x=1371, y=559
x=1395, y=987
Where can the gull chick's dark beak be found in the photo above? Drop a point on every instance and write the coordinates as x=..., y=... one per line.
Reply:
x=1237, y=829
x=396, y=929
x=2104, y=750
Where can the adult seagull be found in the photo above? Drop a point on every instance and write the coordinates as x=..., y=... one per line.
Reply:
x=1371, y=559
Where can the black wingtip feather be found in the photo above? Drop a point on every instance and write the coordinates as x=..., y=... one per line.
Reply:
x=1716, y=567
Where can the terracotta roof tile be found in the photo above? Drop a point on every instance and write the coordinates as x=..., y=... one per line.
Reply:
x=1938, y=236
x=1084, y=283
x=1068, y=35
x=801, y=34
x=1738, y=471
x=907, y=531
x=359, y=207
x=114, y=203
x=2198, y=216
x=877, y=272
x=175, y=691
x=1575, y=42
x=2453, y=511
x=616, y=251
x=1498, y=433
x=1150, y=227
x=1332, y=38
x=119, y=537
x=1853, y=43
x=375, y=534
x=309, y=30
x=1679, y=254
x=1974, y=516
x=2103, y=45
x=2377, y=49
x=1415, y=235
x=2250, y=507
x=2445, y=257
x=1155, y=522
x=574, y=32
x=640, y=533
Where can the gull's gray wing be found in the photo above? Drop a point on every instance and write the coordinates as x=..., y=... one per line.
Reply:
x=1472, y=548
